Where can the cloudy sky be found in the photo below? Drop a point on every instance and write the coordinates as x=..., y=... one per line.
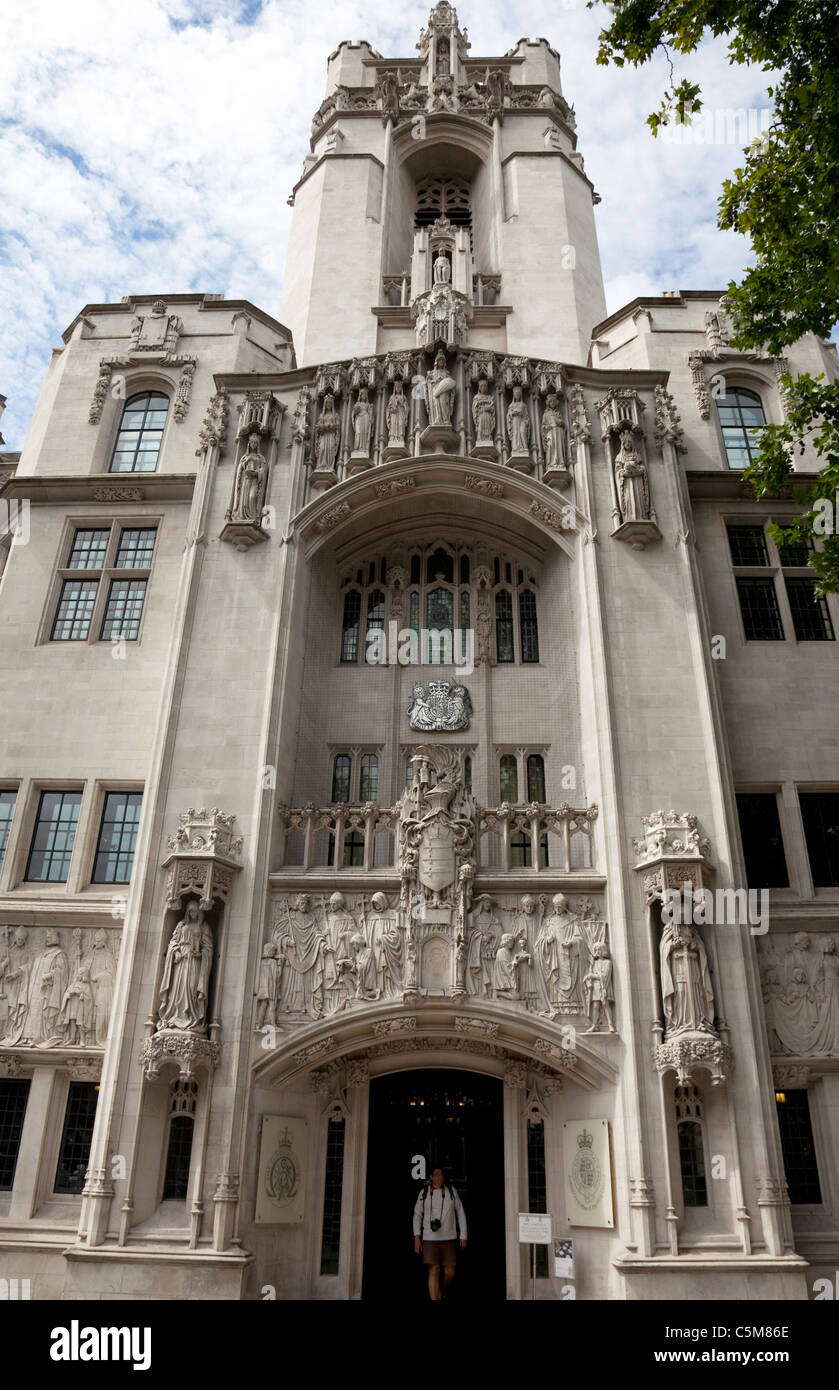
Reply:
x=150, y=147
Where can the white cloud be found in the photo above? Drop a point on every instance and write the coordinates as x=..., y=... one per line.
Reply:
x=151, y=148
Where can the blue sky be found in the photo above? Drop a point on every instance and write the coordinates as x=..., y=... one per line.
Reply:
x=151, y=148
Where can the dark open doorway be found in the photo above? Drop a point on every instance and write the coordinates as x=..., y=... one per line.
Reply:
x=451, y=1118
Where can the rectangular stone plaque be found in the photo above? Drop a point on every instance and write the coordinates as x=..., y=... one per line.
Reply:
x=283, y=1162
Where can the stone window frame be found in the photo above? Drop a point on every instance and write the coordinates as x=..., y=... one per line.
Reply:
x=103, y=575
x=524, y=577
x=141, y=389
x=773, y=570
x=697, y=1100
x=355, y=752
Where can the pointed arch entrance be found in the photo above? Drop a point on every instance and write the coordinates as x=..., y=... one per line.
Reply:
x=455, y=1119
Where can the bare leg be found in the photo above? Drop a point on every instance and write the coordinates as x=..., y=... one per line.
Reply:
x=434, y=1282
x=448, y=1276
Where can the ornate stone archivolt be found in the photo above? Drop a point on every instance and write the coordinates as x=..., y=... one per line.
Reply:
x=56, y=986
x=799, y=975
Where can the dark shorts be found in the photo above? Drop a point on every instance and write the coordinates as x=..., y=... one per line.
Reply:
x=439, y=1252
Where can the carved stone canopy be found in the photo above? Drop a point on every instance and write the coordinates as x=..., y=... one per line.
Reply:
x=204, y=855
x=673, y=852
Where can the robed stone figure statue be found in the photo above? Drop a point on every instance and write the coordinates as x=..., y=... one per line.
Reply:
x=186, y=974
x=685, y=981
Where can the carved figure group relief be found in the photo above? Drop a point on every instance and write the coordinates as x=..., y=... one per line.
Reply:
x=800, y=980
x=331, y=954
x=53, y=994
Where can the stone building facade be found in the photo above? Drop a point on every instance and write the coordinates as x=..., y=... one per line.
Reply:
x=351, y=666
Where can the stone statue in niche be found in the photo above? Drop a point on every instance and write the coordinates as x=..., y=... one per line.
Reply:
x=509, y=958
x=47, y=986
x=483, y=414
x=397, y=417
x=386, y=936
x=15, y=969
x=362, y=421
x=442, y=269
x=553, y=434
x=249, y=485
x=78, y=1012
x=439, y=392
x=185, y=985
x=598, y=987
x=631, y=479
x=339, y=983
x=327, y=435
x=268, y=986
x=559, y=948
x=685, y=981
x=483, y=630
x=484, y=937
x=518, y=425
x=527, y=931
x=301, y=945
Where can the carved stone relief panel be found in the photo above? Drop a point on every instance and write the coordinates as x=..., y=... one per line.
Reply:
x=56, y=986
x=799, y=974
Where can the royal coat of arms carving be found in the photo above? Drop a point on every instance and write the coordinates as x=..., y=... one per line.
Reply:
x=441, y=706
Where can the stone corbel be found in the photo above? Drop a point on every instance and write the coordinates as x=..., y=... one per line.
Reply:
x=188, y=1050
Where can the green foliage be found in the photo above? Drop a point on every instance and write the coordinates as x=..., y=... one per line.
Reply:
x=784, y=197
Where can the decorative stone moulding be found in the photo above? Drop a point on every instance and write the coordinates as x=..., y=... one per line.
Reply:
x=204, y=855
x=188, y=1050
x=154, y=339
x=672, y=853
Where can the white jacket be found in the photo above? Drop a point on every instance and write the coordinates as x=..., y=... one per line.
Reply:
x=440, y=1204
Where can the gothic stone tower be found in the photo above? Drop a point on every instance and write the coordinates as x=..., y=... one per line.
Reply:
x=337, y=852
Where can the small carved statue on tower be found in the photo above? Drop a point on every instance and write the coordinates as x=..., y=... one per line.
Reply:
x=439, y=392
x=442, y=269
x=362, y=419
x=598, y=986
x=518, y=424
x=553, y=434
x=327, y=434
x=397, y=417
x=483, y=413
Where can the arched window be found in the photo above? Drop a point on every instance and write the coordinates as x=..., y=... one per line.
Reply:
x=691, y=1149
x=467, y=773
x=504, y=649
x=369, y=781
x=509, y=778
x=375, y=621
x=341, y=770
x=439, y=619
x=350, y=625
x=528, y=627
x=536, y=778
x=443, y=197
x=182, y=1100
x=741, y=420
x=140, y=433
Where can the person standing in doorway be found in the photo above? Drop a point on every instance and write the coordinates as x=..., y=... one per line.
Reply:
x=439, y=1224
